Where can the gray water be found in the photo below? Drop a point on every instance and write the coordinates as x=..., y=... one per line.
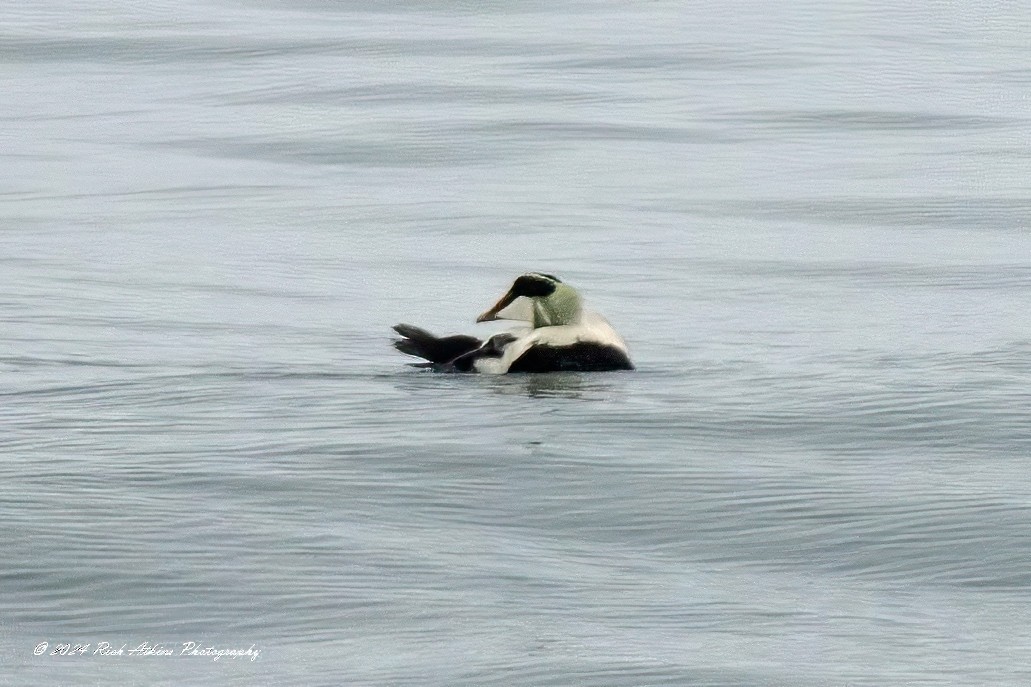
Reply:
x=810, y=222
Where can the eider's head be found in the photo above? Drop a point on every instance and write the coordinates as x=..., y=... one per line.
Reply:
x=540, y=299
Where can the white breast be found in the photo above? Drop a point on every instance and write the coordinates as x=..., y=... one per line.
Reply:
x=592, y=327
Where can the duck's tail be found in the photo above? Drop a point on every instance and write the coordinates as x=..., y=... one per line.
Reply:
x=440, y=350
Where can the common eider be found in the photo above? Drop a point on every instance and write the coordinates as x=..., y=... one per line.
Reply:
x=558, y=335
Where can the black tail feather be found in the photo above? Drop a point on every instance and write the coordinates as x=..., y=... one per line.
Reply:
x=423, y=344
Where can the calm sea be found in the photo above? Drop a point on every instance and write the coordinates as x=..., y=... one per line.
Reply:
x=811, y=222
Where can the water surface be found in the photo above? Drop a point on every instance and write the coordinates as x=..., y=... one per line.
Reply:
x=810, y=223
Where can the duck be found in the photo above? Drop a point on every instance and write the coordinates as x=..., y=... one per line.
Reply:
x=557, y=334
